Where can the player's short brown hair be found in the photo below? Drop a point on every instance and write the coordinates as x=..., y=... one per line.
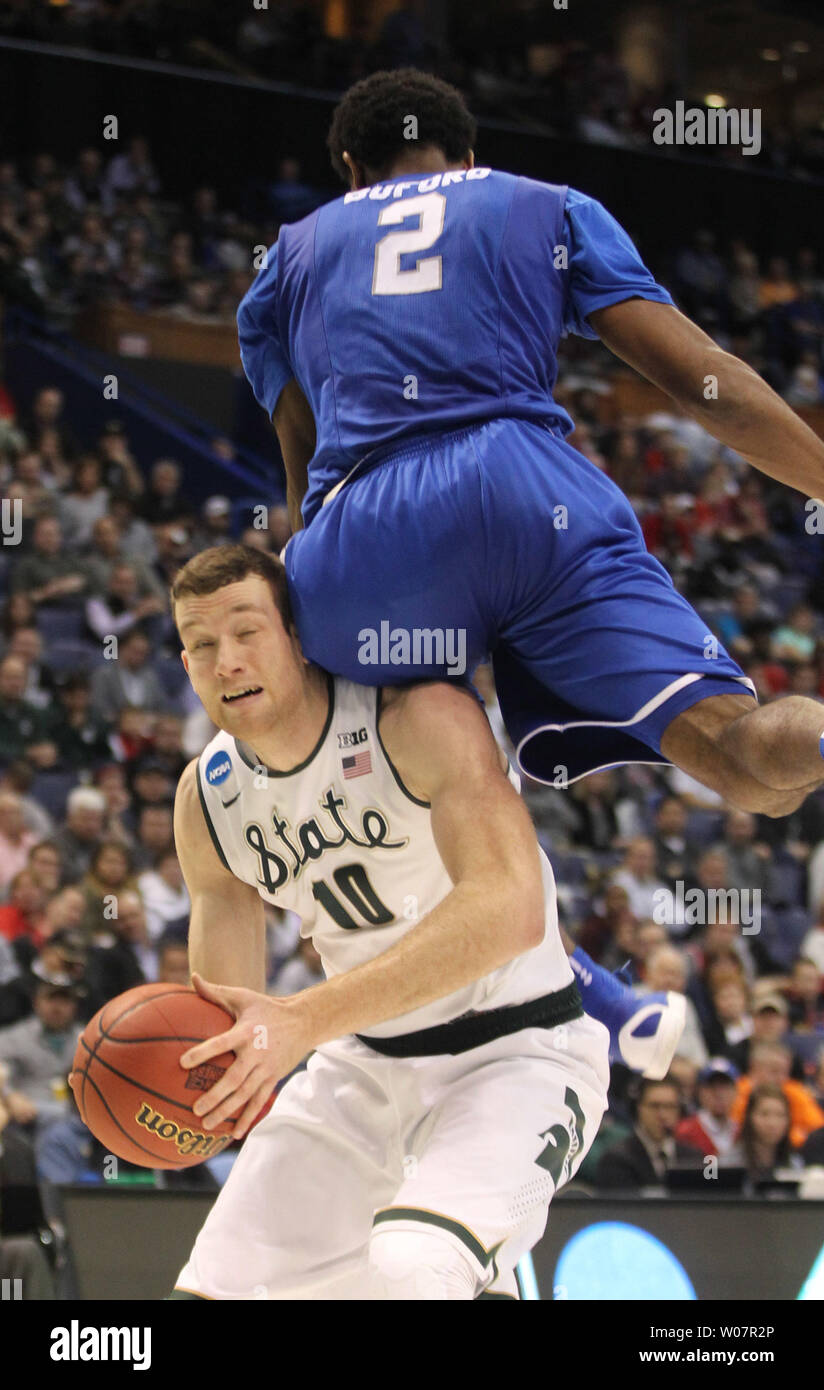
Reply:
x=370, y=120
x=220, y=565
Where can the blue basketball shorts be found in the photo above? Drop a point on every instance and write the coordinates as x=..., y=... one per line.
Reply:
x=501, y=539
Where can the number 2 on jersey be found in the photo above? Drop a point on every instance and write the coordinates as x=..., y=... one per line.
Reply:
x=388, y=277
x=353, y=882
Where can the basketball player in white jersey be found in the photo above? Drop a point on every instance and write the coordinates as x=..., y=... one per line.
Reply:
x=455, y=1082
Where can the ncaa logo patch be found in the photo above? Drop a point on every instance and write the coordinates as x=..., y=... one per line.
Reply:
x=218, y=769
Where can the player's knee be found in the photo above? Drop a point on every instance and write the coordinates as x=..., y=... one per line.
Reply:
x=419, y=1265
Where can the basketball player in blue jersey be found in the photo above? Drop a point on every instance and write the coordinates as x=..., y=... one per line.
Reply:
x=403, y=339
x=455, y=1082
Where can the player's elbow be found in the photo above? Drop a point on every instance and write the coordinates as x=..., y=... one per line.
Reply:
x=533, y=895
x=522, y=908
x=534, y=923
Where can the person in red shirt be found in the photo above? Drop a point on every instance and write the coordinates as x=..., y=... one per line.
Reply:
x=668, y=532
x=711, y=1128
x=23, y=914
x=714, y=511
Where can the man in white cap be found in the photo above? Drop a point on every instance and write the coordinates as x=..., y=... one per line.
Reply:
x=82, y=831
x=215, y=524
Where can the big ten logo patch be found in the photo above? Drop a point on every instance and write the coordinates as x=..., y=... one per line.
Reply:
x=352, y=738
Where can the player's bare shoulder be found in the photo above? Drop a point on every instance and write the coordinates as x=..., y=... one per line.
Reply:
x=434, y=727
x=195, y=850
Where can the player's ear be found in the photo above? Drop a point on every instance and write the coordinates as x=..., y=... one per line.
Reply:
x=470, y=160
x=292, y=634
x=355, y=173
x=184, y=657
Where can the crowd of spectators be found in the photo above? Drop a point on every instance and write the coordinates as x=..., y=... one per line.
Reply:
x=99, y=231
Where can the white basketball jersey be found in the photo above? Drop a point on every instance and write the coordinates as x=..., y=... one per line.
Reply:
x=341, y=841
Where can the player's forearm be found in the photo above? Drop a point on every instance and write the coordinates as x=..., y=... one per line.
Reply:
x=749, y=417
x=294, y=498
x=471, y=933
x=295, y=425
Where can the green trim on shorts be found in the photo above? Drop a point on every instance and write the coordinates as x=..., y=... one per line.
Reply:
x=434, y=1218
x=508, y=1297
x=186, y=1293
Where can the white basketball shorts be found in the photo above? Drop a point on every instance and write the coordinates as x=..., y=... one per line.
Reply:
x=471, y=1146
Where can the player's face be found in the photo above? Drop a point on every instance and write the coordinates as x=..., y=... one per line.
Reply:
x=242, y=662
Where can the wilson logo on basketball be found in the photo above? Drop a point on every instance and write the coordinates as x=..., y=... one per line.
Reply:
x=188, y=1141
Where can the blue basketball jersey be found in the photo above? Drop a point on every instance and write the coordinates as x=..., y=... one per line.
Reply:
x=428, y=303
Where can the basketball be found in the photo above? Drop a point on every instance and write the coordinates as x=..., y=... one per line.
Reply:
x=128, y=1083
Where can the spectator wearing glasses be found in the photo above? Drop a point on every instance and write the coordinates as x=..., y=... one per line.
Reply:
x=644, y=1158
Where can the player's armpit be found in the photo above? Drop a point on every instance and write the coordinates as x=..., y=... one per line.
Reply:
x=227, y=931
x=295, y=426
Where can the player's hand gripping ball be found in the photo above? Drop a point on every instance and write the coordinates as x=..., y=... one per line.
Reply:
x=128, y=1083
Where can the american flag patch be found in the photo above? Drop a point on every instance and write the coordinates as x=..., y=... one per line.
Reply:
x=358, y=764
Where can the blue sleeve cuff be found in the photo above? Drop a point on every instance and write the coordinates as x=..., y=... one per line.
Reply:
x=604, y=266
